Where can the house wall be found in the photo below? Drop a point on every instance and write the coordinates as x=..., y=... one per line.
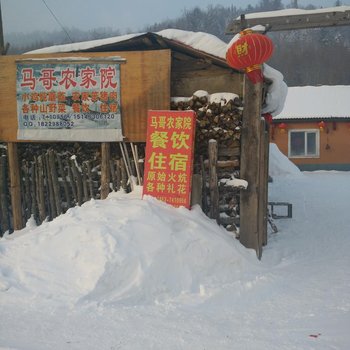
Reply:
x=190, y=74
x=334, y=145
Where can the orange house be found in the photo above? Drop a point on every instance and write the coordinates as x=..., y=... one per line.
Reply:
x=313, y=129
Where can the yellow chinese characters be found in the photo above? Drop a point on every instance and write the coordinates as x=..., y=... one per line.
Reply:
x=242, y=49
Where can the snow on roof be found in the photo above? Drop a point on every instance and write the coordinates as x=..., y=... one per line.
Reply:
x=319, y=102
x=294, y=12
x=201, y=41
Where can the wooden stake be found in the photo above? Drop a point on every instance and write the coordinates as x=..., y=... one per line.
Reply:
x=126, y=166
x=64, y=180
x=79, y=183
x=15, y=186
x=89, y=173
x=34, y=190
x=55, y=183
x=4, y=205
x=105, y=170
x=213, y=180
x=136, y=163
x=72, y=182
x=52, y=203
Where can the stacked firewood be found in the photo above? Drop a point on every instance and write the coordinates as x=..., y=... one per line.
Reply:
x=219, y=117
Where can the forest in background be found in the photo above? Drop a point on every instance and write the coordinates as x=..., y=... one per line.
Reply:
x=305, y=57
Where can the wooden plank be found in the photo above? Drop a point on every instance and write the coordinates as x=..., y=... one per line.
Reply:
x=145, y=84
x=293, y=22
x=15, y=186
x=186, y=78
x=250, y=162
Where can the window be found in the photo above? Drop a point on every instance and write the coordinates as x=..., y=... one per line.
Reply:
x=303, y=143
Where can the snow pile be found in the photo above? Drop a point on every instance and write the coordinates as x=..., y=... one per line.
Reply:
x=280, y=165
x=198, y=40
x=111, y=252
x=132, y=274
x=276, y=91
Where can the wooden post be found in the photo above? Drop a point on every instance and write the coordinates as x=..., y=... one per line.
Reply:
x=213, y=180
x=196, y=193
x=264, y=179
x=40, y=188
x=263, y=183
x=27, y=198
x=105, y=169
x=118, y=173
x=55, y=183
x=64, y=180
x=89, y=174
x=34, y=190
x=15, y=186
x=52, y=202
x=250, y=165
x=78, y=181
x=4, y=205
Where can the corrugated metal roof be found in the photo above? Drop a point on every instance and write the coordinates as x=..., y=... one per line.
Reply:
x=316, y=102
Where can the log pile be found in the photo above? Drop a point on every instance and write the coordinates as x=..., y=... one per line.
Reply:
x=219, y=117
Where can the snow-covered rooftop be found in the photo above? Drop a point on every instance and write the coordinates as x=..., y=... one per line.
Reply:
x=201, y=41
x=319, y=102
x=295, y=12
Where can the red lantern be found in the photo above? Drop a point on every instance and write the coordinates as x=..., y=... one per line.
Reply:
x=321, y=125
x=249, y=52
x=282, y=127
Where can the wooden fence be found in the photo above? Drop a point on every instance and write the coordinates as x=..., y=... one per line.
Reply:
x=53, y=181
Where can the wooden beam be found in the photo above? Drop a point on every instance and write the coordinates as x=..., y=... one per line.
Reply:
x=304, y=20
x=250, y=167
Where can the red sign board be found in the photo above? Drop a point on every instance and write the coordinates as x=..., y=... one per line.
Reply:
x=169, y=156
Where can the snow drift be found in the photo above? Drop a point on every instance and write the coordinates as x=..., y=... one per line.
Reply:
x=110, y=252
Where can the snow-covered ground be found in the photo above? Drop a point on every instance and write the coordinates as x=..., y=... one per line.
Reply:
x=126, y=273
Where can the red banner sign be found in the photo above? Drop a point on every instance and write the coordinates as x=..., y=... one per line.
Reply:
x=169, y=156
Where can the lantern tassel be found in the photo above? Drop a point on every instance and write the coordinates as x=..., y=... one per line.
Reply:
x=255, y=74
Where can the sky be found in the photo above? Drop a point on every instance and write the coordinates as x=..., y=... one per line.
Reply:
x=126, y=16
x=131, y=274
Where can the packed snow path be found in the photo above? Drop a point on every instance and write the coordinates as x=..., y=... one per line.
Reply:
x=130, y=274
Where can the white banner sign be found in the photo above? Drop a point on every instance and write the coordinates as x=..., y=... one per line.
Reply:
x=69, y=101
